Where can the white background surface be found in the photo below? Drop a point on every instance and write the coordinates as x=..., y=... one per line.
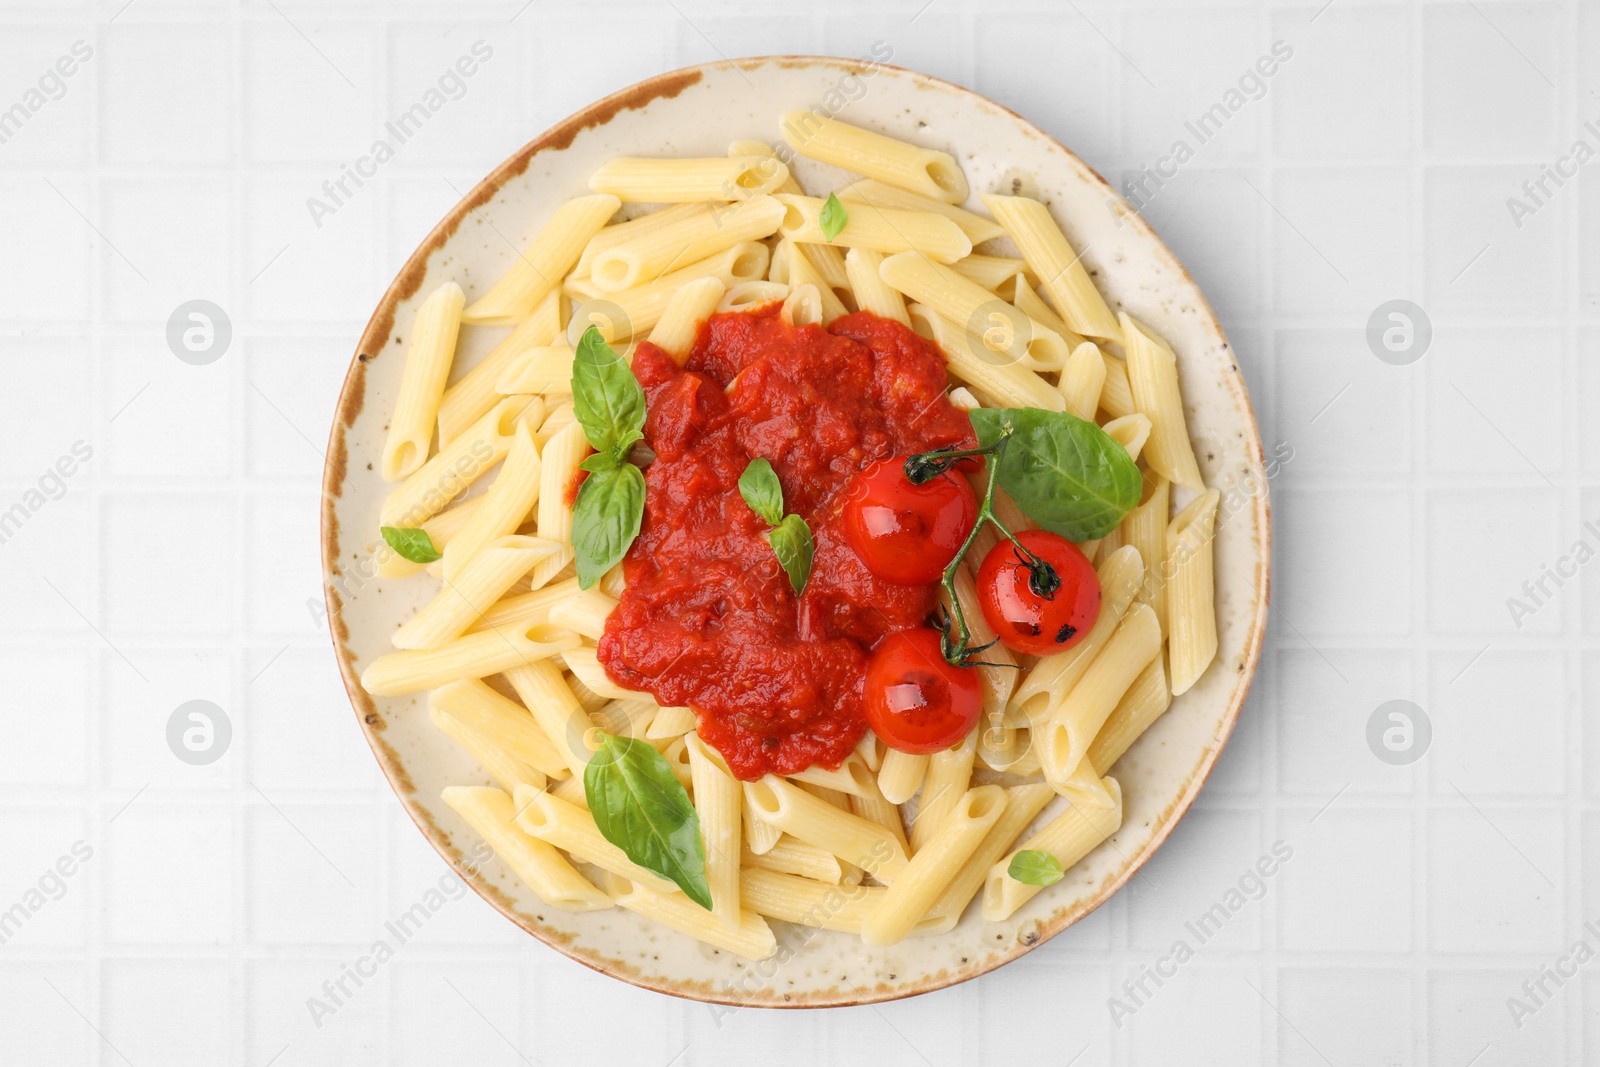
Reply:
x=180, y=561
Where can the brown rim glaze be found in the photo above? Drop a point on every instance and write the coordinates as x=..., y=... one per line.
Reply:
x=352, y=396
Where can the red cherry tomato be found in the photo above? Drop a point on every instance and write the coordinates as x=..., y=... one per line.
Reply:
x=1022, y=618
x=915, y=701
x=907, y=533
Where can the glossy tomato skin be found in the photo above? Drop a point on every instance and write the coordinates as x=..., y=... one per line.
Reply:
x=915, y=701
x=903, y=532
x=1025, y=621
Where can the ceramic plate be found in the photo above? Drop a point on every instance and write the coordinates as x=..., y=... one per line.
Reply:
x=697, y=112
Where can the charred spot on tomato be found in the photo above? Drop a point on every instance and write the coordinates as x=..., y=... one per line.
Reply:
x=1064, y=634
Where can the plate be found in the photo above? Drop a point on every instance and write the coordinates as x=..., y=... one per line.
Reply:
x=697, y=111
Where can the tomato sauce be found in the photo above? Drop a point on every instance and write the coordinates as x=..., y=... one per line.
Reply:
x=709, y=619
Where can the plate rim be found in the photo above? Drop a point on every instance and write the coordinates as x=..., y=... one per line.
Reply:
x=352, y=394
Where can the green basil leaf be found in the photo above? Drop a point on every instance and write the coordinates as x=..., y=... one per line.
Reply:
x=642, y=808
x=760, y=488
x=1034, y=866
x=606, y=398
x=1065, y=473
x=606, y=519
x=412, y=543
x=791, y=542
x=600, y=462
x=833, y=217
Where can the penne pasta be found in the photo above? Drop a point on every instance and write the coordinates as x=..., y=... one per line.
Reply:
x=810, y=903
x=433, y=348
x=1191, y=596
x=880, y=195
x=467, y=400
x=1046, y=249
x=671, y=722
x=1144, y=702
x=1064, y=739
x=719, y=799
x=1023, y=804
x=708, y=230
x=934, y=866
x=690, y=306
x=792, y=268
x=1008, y=336
x=684, y=181
x=1130, y=431
x=507, y=771
x=541, y=266
x=1153, y=381
x=525, y=609
x=989, y=272
x=925, y=171
x=584, y=612
x=460, y=463
x=1145, y=528
x=1006, y=382
x=504, y=507
x=789, y=856
x=472, y=656
x=1069, y=837
x=556, y=709
x=584, y=663
x=541, y=867
x=572, y=829
x=931, y=236
x=901, y=775
x=949, y=775
x=1082, y=378
x=558, y=467
x=501, y=722
x=852, y=777
x=747, y=296
x=850, y=837
x=872, y=292
x=874, y=808
x=752, y=939
x=480, y=584
x=441, y=530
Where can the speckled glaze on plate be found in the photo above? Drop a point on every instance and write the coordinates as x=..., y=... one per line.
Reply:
x=698, y=111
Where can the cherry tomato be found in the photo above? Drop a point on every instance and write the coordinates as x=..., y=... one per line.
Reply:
x=915, y=701
x=1022, y=618
x=907, y=533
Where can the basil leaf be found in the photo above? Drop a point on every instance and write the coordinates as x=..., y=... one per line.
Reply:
x=833, y=217
x=642, y=808
x=761, y=490
x=1065, y=473
x=606, y=398
x=1034, y=866
x=600, y=462
x=412, y=543
x=791, y=542
x=606, y=519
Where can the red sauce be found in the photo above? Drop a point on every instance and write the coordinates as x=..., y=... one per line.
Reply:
x=709, y=620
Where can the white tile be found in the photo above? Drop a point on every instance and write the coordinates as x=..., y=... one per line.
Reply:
x=1322, y=721
x=179, y=232
x=294, y=1003
x=1344, y=560
x=644, y=43
x=1078, y=113
x=415, y=868
x=1341, y=238
x=291, y=390
x=302, y=731
x=145, y=694
x=1495, y=400
x=718, y=36
x=313, y=874
x=1344, y=411
x=1319, y=110
x=149, y=1002
x=309, y=97
x=1204, y=886
x=1476, y=259
x=1467, y=1012
x=46, y=276
x=1489, y=77
x=170, y=875
x=1579, y=551
x=285, y=529
x=1188, y=74
x=1204, y=998
x=1591, y=736
x=45, y=420
x=1587, y=196
x=1319, y=1003
x=1074, y=996
x=1326, y=903
x=185, y=583
x=43, y=1005
x=930, y=1028
x=46, y=875
x=300, y=271
x=165, y=93
x=1231, y=219
x=1508, y=534
x=451, y=116
x=589, y=1004
x=1587, y=356
x=48, y=533
x=50, y=690
x=1494, y=879
x=717, y=1033
x=467, y=1012
x=172, y=419
x=936, y=42
x=1472, y=749
x=51, y=73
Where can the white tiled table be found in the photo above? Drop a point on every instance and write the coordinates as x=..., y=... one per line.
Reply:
x=179, y=561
